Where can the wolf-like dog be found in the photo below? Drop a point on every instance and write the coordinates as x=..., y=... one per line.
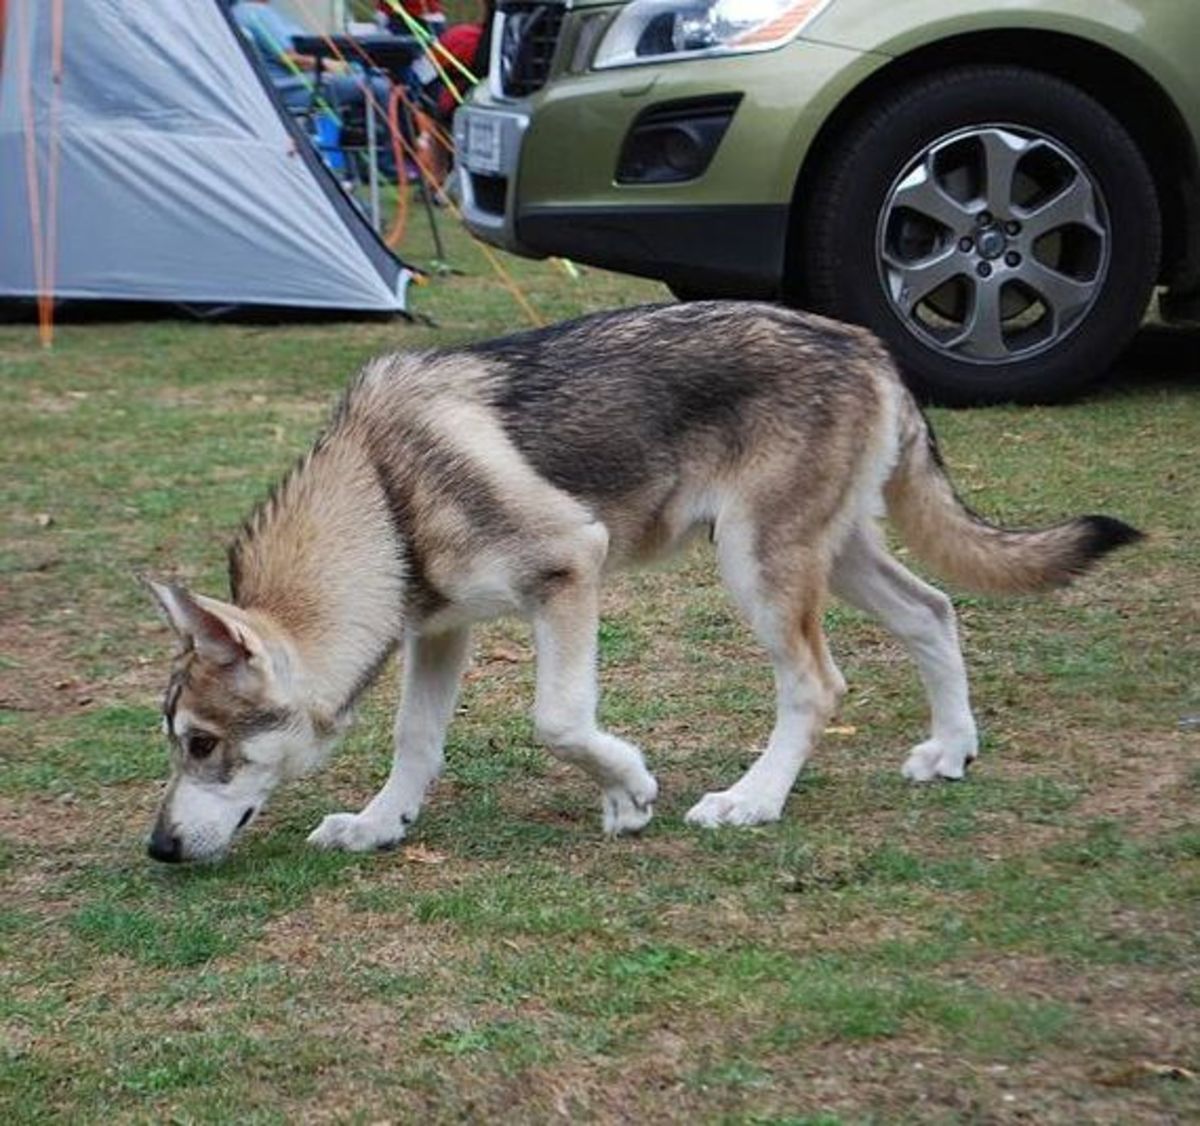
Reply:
x=509, y=477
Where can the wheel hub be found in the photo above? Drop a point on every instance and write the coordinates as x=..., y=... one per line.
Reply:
x=993, y=244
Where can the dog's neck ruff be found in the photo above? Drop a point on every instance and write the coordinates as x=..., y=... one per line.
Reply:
x=365, y=679
x=322, y=558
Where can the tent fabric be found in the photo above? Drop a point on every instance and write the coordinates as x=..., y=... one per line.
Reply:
x=179, y=177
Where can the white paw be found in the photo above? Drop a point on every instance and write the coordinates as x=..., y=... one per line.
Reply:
x=937, y=759
x=728, y=807
x=628, y=810
x=353, y=832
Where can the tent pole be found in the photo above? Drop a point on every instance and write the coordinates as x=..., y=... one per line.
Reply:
x=439, y=249
x=372, y=163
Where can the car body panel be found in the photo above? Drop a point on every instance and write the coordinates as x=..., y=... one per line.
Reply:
x=1162, y=37
x=578, y=127
x=571, y=131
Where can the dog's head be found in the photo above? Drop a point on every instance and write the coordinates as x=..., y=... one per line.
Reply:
x=235, y=723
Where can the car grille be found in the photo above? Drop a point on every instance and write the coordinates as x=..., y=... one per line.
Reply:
x=528, y=36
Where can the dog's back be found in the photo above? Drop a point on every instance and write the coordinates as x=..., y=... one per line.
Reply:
x=647, y=416
x=607, y=404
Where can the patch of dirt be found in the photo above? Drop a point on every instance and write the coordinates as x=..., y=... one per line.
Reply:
x=50, y=824
x=307, y=936
x=904, y=1080
x=1145, y=1019
x=1141, y=779
x=1149, y=1007
x=39, y=675
x=46, y=402
x=53, y=837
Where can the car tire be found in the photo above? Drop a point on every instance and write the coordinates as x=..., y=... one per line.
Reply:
x=995, y=225
x=692, y=293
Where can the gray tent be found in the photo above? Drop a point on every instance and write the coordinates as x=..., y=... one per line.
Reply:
x=178, y=175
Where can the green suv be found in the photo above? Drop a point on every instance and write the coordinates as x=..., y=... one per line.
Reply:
x=994, y=187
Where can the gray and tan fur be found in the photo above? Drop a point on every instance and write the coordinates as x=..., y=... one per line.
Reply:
x=509, y=478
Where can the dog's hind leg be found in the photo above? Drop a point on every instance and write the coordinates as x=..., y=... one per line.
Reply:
x=922, y=617
x=433, y=669
x=565, y=624
x=782, y=600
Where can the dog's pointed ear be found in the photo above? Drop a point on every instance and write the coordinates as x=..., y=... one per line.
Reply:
x=207, y=625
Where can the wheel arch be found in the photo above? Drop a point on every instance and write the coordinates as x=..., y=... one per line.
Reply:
x=1121, y=86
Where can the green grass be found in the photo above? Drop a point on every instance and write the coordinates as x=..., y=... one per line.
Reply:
x=1013, y=945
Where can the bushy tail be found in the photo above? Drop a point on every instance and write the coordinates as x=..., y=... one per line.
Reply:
x=965, y=549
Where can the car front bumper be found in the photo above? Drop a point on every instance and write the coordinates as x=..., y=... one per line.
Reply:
x=538, y=175
x=719, y=250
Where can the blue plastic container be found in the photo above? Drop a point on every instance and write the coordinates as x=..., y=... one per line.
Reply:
x=328, y=139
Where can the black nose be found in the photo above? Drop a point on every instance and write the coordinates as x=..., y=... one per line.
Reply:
x=165, y=846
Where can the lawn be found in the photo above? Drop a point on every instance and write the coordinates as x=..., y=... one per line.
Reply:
x=1019, y=946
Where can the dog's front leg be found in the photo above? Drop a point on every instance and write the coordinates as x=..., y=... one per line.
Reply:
x=433, y=669
x=781, y=598
x=565, y=625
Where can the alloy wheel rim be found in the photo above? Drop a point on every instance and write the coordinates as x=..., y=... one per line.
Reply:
x=993, y=244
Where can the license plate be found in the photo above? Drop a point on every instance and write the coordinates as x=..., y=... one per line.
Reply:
x=483, y=144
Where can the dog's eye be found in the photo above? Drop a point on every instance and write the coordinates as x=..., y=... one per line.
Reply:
x=201, y=745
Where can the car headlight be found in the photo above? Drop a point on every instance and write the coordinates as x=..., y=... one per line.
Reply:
x=655, y=31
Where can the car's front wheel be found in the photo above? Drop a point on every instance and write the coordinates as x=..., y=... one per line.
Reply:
x=997, y=226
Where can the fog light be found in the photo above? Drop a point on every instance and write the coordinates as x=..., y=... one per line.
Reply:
x=683, y=150
x=675, y=141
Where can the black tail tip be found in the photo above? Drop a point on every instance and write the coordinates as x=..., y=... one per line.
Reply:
x=1103, y=534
